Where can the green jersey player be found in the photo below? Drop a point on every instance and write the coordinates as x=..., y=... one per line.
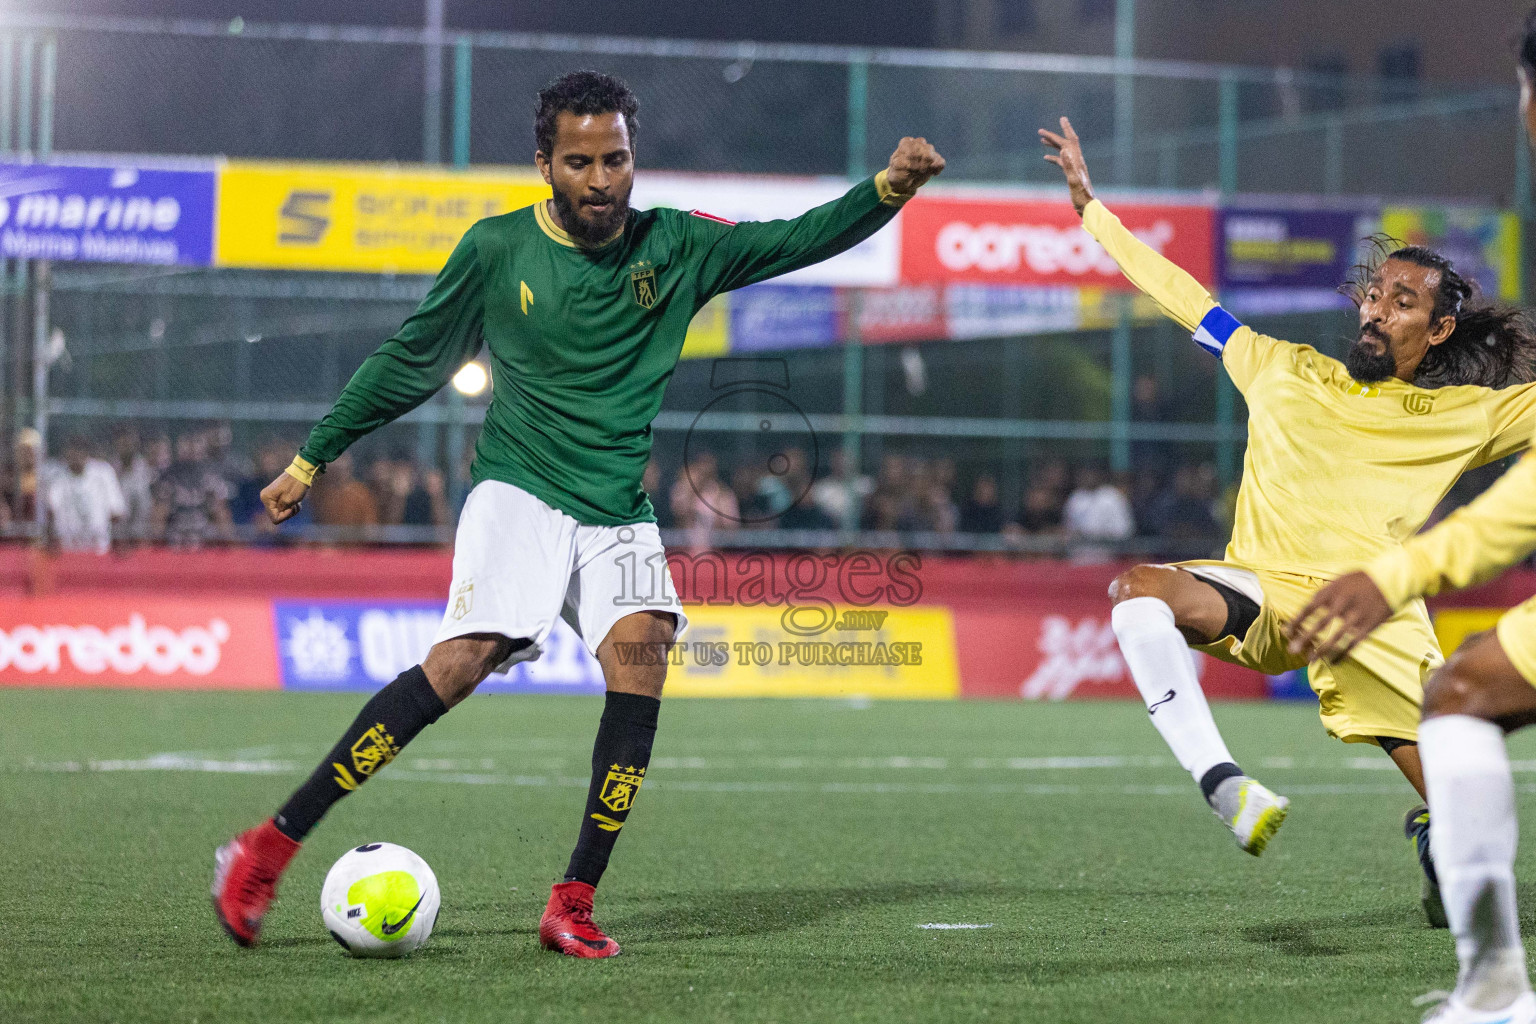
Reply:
x=582, y=305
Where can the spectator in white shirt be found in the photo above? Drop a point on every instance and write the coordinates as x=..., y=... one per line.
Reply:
x=84, y=501
x=1097, y=510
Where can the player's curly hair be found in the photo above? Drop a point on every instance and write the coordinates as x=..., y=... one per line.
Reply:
x=582, y=92
x=1491, y=345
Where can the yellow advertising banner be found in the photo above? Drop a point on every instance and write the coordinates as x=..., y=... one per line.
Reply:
x=1454, y=625
x=766, y=651
x=358, y=217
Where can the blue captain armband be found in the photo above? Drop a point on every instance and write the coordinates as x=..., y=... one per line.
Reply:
x=1215, y=329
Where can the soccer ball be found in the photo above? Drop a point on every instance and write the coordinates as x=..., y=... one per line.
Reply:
x=379, y=900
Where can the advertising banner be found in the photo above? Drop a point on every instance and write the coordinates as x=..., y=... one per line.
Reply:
x=774, y=316
x=133, y=641
x=990, y=310
x=357, y=217
x=1041, y=242
x=1065, y=649
x=106, y=214
x=913, y=313
x=1483, y=244
x=362, y=645
x=873, y=263
x=767, y=651
x=1310, y=249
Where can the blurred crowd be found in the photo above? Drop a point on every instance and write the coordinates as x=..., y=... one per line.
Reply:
x=194, y=488
x=1083, y=507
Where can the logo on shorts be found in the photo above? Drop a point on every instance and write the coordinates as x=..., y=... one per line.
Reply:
x=620, y=786
x=644, y=284
x=463, y=600
x=1419, y=404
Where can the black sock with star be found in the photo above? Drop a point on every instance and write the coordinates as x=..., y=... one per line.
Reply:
x=391, y=719
x=619, y=759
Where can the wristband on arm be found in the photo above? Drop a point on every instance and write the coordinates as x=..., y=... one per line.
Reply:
x=302, y=470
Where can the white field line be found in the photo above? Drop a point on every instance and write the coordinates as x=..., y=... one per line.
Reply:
x=953, y=927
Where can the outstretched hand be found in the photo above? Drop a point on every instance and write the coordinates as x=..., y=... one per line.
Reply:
x=1338, y=617
x=1069, y=157
x=913, y=163
x=282, y=496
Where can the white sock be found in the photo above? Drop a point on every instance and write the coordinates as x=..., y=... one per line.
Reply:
x=1472, y=836
x=1164, y=670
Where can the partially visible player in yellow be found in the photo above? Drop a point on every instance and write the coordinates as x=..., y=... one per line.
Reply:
x=1486, y=689
x=1345, y=461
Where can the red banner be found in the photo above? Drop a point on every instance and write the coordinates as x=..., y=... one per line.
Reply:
x=1055, y=649
x=1040, y=242
x=128, y=640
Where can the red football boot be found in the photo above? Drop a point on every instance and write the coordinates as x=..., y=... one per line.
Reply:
x=567, y=923
x=245, y=874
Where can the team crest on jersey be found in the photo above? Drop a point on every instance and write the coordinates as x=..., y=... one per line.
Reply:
x=373, y=750
x=620, y=786
x=1419, y=404
x=463, y=600
x=643, y=282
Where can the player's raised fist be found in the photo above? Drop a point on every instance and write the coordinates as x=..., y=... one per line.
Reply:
x=1069, y=157
x=282, y=496
x=913, y=163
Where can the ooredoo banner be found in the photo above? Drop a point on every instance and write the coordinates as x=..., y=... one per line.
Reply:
x=106, y=214
x=127, y=640
x=1041, y=242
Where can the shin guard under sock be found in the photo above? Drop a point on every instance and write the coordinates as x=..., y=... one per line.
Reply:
x=619, y=759
x=391, y=719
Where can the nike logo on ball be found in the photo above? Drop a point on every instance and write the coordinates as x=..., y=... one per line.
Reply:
x=1152, y=708
x=391, y=929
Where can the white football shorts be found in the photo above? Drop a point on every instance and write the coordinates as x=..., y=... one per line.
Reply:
x=518, y=563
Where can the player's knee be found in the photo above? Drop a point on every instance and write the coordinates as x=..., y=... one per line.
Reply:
x=1455, y=688
x=1139, y=581
x=456, y=667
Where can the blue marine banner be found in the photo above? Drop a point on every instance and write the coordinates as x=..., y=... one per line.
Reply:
x=362, y=645
x=106, y=214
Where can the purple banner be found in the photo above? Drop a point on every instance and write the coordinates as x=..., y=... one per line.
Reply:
x=780, y=316
x=106, y=214
x=1286, y=248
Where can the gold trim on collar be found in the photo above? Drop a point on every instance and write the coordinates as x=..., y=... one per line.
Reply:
x=559, y=234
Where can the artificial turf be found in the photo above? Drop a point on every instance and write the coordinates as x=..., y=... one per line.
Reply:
x=777, y=866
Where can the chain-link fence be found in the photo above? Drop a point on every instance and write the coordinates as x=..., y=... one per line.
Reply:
x=265, y=352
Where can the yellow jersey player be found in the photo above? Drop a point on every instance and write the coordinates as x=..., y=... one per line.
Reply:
x=1486, y=689
x=1345, y=461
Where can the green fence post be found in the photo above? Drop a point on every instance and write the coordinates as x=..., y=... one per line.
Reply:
x=1120, y=387
x=24, y=96
x=7, y=83
x=463, y=57
x=1125, y=93
x=858, y=111
x=853, y=401
x=45, y=90
x=1227, y=157
x=1333, y=157
x=1226, y=394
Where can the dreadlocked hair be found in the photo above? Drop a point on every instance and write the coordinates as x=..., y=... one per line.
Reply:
x=1491, y=345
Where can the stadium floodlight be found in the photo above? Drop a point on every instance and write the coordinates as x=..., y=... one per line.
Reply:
x=471, y=379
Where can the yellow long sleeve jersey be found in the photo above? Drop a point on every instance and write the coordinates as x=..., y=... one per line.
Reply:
x=1336, y=473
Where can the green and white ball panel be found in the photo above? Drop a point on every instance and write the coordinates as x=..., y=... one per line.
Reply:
x=380, y=900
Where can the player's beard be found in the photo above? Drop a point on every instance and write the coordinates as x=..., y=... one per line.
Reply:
x=1364, y=363
x=583, y=226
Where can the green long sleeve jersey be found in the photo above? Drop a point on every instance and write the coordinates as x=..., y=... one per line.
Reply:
x=582, y=340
